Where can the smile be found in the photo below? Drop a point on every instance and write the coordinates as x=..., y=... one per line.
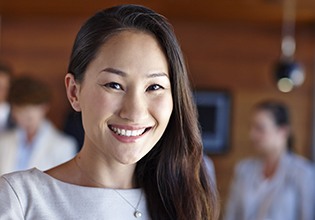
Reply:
x=127, y=132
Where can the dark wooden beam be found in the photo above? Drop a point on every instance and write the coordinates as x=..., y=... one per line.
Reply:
x=207, y=10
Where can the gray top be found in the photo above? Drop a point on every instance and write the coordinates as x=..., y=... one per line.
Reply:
x=35, y=195
x=210, y=169
x=288, y=195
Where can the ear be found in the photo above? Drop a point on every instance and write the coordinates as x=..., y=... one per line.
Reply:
x=73, y=88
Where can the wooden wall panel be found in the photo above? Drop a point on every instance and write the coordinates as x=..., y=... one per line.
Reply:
x=233, y=57
x=261, y=11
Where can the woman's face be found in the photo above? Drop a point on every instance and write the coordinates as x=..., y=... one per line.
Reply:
x=29, y=117
x=125, y=97
x=265, y=135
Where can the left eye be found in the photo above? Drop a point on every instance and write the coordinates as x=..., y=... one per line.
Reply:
x=154, y=87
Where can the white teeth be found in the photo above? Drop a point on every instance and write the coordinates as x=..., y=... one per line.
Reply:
x=122, y=132
x=128, y=133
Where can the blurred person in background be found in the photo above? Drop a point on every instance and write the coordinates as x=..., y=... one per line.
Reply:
x=277, y=184
x=5, y=79
x=210, y=168
x=35, y=142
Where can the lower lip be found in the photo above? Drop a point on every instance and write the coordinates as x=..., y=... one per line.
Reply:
x=126, y=139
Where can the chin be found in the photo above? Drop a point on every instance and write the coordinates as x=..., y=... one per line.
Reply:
x=129, y=160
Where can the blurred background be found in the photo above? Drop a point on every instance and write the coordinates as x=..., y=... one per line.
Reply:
x=229, y=45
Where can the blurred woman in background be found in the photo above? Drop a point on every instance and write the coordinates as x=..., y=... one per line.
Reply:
x=277, y=184
x=6, y=121
x=35, y=142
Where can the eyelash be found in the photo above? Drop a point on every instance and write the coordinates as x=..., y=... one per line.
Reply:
x=113, y=85
x=117, y=86
x=153, y=87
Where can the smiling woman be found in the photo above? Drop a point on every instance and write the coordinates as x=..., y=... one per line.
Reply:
x=118, y=93
x=142, y=152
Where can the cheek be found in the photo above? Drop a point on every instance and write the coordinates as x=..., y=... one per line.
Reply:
x=273, y=138
x=39, y=117
x=97, y=106
x=34, y=118
x=255, y=134
x=24, y=120
x=19, y=119
x=260, y=138
x=266, y=137
x=162, y=109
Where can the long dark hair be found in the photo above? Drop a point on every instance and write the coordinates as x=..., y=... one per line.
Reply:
x=281, y=117
x=172, y=173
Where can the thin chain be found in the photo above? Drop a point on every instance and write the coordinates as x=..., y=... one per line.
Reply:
x=136, y=208
x=99, y=184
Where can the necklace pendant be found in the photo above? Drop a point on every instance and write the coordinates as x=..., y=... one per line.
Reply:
x=137, y=214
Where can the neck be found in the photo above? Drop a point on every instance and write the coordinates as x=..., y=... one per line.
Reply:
x=30, y=137
x=95, y=171
x=31, y=132
x=271, y=162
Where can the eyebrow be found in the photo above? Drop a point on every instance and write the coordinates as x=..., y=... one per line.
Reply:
x=153, y=75
x=114, y=71
x=122, y=73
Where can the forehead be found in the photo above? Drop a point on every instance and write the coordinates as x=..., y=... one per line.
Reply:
x=263, y=116
x=129, y=48
x=128, y=36
x=26, y=107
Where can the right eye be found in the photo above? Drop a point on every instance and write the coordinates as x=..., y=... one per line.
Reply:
x=113, y=85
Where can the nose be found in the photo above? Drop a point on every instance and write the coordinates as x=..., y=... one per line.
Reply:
x=134, y=107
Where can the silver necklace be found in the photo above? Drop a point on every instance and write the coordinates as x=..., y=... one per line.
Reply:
x=136, y=214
